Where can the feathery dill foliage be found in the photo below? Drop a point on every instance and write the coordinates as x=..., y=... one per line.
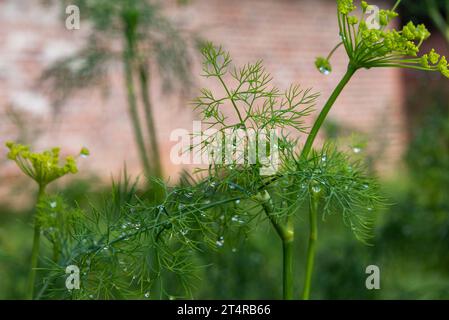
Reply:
x=342, y=186
x=257, y=105
x=128, y=248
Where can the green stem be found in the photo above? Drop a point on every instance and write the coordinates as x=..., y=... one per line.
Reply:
x=313, y=236
x=144, y=88
x=35, y=249
x=129, y=58
x=438, y=19
x=329, y=56
x=327, y=107
x=287, y=236
x=287, y=246
x=396, y=5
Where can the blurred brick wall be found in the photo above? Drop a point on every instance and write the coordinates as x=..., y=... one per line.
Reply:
x=286, y=34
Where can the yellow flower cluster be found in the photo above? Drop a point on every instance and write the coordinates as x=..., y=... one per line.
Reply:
x=370, y=46
x=434, y=60
x=42, y=167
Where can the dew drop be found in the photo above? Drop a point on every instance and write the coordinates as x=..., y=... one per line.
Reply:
x=357, y=150
x=53, y=204
x=316, y=188
x=237, y=201
x=235, y=218
x=369, y=209
x=325, y=71
x=147, y=295
x=220, y=242
x=234, y=250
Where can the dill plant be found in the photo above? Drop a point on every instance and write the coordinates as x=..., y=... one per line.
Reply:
x=366, y=48
x=131, y=247
x=325, y=181
x=43, y=168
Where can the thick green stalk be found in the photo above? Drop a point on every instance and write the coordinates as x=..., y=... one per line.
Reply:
x=129, y=59
x=144, y=88
x=287, y=246
x=313, y=236
x=287, y=236
x=324, y=112
x=35, y=249
x=314, y=200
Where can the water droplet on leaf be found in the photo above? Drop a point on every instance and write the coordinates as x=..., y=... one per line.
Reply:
x=220, y=242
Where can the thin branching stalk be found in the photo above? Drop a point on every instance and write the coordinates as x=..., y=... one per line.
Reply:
x=313, y=236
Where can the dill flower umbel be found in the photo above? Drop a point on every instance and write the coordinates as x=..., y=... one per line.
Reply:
x=42, y=167
x=370, y=46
